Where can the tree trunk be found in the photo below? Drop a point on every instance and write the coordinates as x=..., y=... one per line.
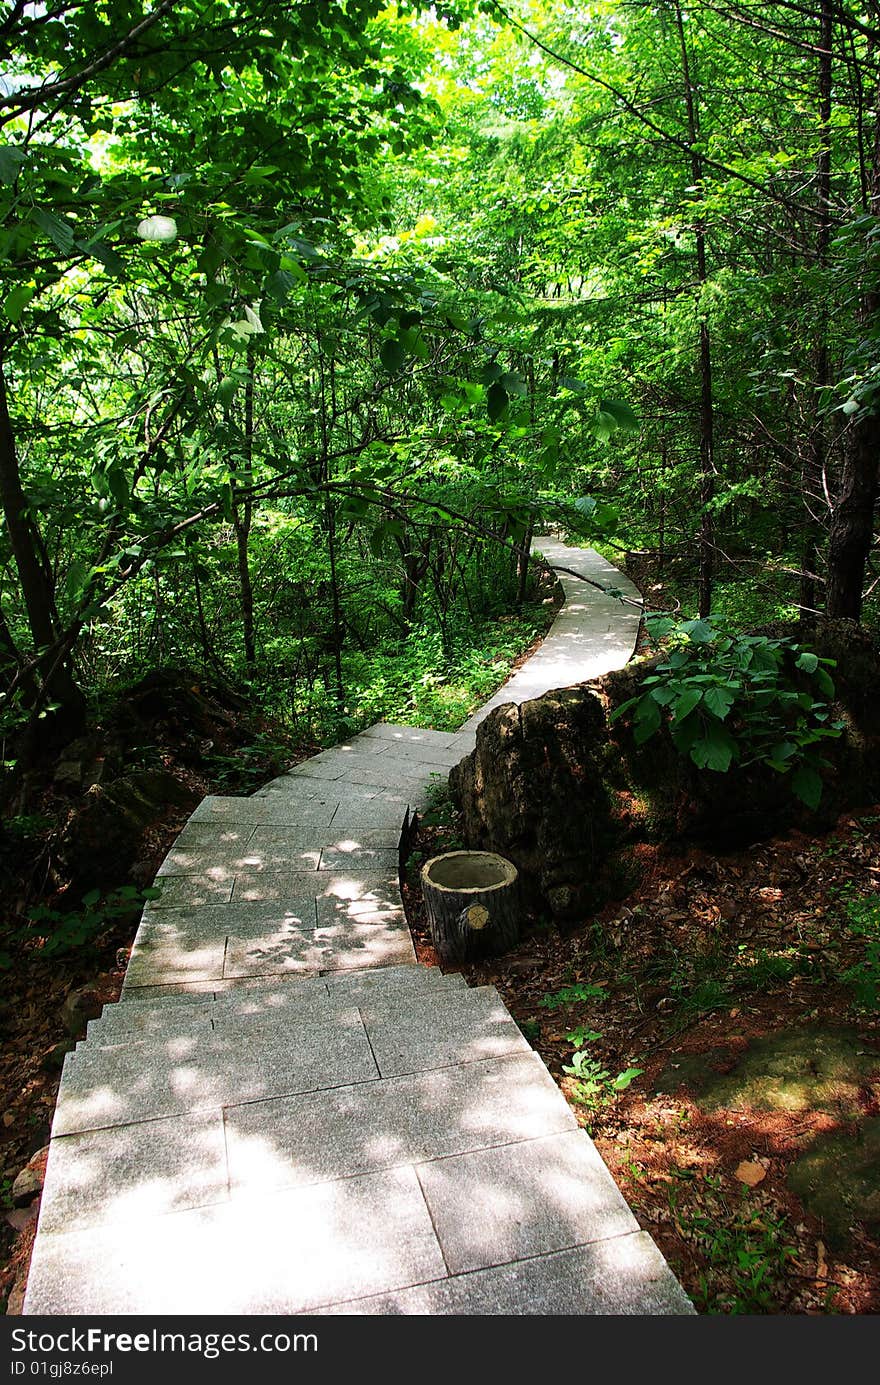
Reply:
x=473, y=904
x=852, y=524
x=814, y=469
x=53, y=662
x=852, y=518
x=707, y=408
x=242, y=515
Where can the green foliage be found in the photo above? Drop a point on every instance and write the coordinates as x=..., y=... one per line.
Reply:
x=249, y=766
x=570, y=995
x=733, y=699
x=595, y=1086
x=745, y=1248
x=58, y=933
x=530, y=1029
x=862, y=916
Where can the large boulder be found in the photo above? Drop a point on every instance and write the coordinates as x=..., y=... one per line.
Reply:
x=104, y=837
x=535, y=790
x=561, y=789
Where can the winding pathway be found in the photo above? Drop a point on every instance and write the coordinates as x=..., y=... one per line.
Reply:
x=287, y=1114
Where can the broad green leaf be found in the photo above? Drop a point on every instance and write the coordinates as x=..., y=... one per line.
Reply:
x=514, y=384
x=603, y=426
x=623, y=1079
x=718, y=701
x=647, y=720
x=279, y=284
x=58, y=231
x=807, y=661
x=17, y=300
x=685, y=703
x=392, y=355
x=824, y=682
x=622, y=414
x=11, y=160
x=698, y=631
x=807, y=785
x=715, y=750
x=496, y=400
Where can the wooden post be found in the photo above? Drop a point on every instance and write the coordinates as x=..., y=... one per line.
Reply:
x=473, y=905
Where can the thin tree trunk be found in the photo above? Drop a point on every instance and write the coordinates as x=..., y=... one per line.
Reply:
x=242, y=514
x=852, y=519
x=57, y=682
x=707, y=412
x=816, y=452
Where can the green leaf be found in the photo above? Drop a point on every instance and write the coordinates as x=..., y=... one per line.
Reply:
x=718, y=701
x=807, y=661
x=11, y=160
x=622, y=414
x=623, y=1079
x=807, y=785
x=226, y=389
x=698, y=631
x=496, y=400
x=17, y=300
x=58, y=231
x=603, y=426
x=119, y=486
x=685, y=703
x=514, y=384
x=824, y=682
x=715, y=750
x=392, y=355
x=279, y=284
x=647, y=720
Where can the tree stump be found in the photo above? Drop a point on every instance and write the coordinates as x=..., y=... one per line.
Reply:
x=473, y=904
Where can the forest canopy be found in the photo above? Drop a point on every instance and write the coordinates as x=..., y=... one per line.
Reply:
x=313, y=314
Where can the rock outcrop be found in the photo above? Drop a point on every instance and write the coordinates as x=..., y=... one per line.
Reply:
x=562, y=792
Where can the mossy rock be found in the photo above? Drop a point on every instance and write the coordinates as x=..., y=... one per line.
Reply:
x=838, y=1180
x=805, y=1069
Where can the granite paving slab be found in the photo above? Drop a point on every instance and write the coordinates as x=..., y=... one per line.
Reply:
x=135, y=1172
x=403, y=1120
x=280, y=811
x=125, y=1085
x=625, y=1275
x=289, y=1253
x=470, y=1027
x=492, y=1206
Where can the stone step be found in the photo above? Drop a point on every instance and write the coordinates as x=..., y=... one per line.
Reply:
x=416, y=1035
x=306, y=995
x=622, y=1275
x=168, y=1075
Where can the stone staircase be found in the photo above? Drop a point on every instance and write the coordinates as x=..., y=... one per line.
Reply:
x=287, y=1114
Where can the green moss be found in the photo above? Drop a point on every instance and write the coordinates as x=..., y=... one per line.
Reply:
x=838, y=1179
x=808, y=1069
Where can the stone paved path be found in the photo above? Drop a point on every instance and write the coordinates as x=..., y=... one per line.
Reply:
x=287, y=1114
